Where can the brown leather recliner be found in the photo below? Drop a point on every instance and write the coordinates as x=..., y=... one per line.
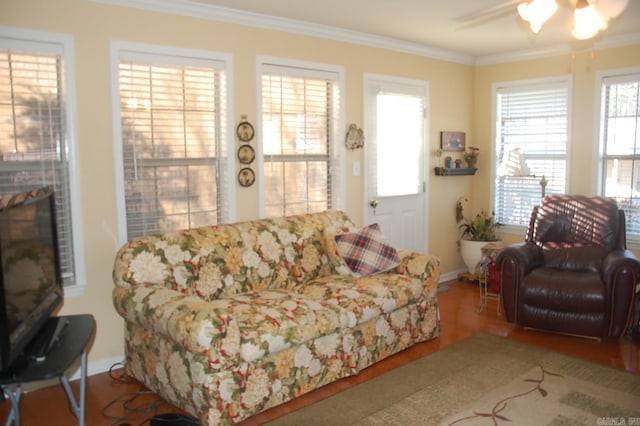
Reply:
x=573, y=274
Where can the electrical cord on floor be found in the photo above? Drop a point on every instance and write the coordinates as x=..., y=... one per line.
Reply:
x=119, y=376
x=172, y=419
x=134, y=410
x=141, y=413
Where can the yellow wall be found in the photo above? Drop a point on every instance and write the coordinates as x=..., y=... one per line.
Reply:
x=460, y=100
x=583, y=67
x=93, y=26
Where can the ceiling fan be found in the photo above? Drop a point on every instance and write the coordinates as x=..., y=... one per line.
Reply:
x=590, y=16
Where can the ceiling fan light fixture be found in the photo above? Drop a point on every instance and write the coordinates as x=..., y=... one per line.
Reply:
x=587, y=21
x=537, y=12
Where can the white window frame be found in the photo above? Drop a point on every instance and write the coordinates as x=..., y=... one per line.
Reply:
x=62, y=44
x=567, y=81
x=337, y=150
x=172, y=56
x=602, y=77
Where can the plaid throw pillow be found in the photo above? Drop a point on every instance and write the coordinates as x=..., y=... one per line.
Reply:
x=366, y=251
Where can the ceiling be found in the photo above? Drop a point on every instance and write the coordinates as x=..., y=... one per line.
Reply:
x=433, y=24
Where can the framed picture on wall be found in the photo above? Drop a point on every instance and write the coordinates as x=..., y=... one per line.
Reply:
x=452, y=141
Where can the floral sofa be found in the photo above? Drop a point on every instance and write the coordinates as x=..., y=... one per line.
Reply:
x=230, y=320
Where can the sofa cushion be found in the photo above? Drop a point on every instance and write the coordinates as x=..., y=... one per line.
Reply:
x=271, y=321
x=366, y=251
x=224, y=260
x=366, y=297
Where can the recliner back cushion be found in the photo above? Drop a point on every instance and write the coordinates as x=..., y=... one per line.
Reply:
x=577, y=220
x=573, y=257
x=576, y=232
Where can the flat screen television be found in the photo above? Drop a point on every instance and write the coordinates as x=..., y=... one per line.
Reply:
x=30, y=276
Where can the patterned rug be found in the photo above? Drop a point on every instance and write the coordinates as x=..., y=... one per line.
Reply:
x=485, y=380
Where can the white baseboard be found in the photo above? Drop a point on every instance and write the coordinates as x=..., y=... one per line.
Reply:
x=97, y=367
x=447, y=276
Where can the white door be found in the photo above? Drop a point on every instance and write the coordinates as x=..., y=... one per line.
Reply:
x=396, y=139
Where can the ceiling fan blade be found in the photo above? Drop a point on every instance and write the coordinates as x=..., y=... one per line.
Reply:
x=611, y=8
x=490, y=12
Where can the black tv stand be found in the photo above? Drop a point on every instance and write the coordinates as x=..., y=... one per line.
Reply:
x=65, y=338
x=47, y=338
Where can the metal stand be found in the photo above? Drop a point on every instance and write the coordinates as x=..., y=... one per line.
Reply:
x=72, y=343
x=489, y=252
x=485, y=294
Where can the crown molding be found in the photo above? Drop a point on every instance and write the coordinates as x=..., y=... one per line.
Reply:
x=233, y=16
x=606, y=42
x=223, y=14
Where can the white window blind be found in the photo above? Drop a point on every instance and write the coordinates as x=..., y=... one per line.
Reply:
x=173, y=124
x=531, y=145
x=34, y=139
x=620, y=133
x=300, y=132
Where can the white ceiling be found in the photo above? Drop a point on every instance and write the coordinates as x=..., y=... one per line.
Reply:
x=432, y=24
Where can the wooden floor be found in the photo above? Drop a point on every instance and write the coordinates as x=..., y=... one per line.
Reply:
x=112, y=402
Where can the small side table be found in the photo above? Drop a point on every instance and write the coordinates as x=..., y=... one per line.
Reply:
x=490, y=252
x=71, y=344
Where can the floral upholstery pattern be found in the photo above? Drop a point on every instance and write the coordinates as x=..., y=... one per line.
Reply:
x=227, y=321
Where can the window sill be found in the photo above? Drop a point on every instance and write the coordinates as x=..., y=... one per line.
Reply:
x=74, y=290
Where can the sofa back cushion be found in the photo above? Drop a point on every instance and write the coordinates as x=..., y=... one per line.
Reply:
x=224, y=260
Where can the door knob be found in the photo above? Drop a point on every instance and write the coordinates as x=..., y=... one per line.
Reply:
x=374, y=204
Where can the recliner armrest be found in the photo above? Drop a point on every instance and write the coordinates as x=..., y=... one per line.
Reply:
x=527, y=255
x=618, y=260
x=515, y=262
x=620, y=275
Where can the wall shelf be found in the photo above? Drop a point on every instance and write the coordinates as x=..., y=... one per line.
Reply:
x=442, y=171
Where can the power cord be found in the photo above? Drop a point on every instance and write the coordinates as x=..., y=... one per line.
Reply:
x=172, y=419
x=145, y=412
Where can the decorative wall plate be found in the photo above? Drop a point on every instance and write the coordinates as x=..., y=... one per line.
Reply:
x=354, y=138
x=246, y=177
x=246, y=154
x=245, y=131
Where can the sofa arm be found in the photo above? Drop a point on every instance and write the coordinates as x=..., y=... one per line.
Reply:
x=200, y=326
x=424, y=267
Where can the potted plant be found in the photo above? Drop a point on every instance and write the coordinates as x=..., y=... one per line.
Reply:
x=471, y=157
x=475, y=233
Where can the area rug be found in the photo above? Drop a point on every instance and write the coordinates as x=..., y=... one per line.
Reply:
x=485, y=380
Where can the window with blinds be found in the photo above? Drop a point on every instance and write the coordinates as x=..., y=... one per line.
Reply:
x=300, y=130
x=173, y=121
x=34, y=138
x=531, y=146
x=620, y=142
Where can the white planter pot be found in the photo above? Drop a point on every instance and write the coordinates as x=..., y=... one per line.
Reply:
x=472, y=252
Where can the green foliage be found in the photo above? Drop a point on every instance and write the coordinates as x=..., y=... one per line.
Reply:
x=482, y=227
